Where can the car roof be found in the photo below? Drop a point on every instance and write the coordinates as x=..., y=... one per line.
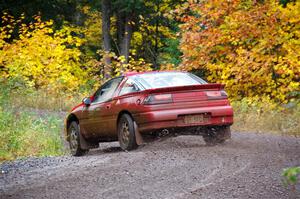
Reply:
x=127, y=74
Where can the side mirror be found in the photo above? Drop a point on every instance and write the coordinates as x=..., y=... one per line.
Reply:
x=86, y=101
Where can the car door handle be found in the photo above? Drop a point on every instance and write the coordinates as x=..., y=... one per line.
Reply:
x=108, y=106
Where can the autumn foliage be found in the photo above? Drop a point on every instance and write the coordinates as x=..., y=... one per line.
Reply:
x=40, y=56
x=251, y=47
x=56, y=60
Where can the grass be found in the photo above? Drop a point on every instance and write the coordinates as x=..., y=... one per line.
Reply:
x=24, y=133
x=41, y=99
x=18, y=95
x=264, y=117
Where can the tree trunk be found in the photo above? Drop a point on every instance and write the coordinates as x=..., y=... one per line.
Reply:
x=156, y=35
x=120, y=30
x=126, y=38
x=106, y=6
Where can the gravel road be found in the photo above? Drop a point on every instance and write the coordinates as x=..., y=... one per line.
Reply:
x=247, y=166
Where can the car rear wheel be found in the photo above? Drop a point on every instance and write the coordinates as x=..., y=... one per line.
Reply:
x=217, y=135
x=126, y=133
x=74, y=140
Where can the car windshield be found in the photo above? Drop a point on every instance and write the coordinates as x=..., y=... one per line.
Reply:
x=168, y=79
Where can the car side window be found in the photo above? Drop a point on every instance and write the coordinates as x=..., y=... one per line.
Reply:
x=106, y=91
x=129, y=87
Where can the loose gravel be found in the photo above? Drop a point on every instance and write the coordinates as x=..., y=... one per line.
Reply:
x=247, y=166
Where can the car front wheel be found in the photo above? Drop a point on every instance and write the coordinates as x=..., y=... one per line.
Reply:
x=126, y=133
x=74, y=140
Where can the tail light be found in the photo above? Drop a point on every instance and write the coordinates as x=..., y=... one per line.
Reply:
x=216, y=94
x=159, y=99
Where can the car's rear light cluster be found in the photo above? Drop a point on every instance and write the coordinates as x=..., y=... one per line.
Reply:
x=159, y=99
x=216, y=94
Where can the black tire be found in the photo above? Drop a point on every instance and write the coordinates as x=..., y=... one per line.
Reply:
x=223, y=134
x=217, y=135
x=74, y=140
x=126, y=133
x=210, y=139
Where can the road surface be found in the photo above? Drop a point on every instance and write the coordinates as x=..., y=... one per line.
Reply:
x=247, y=166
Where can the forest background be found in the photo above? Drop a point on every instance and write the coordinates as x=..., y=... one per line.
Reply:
x=53, y=53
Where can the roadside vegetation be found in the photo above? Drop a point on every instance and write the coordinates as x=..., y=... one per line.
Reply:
x=261, y=115
x=25, y=131
x=24, y=134
x=291, y=177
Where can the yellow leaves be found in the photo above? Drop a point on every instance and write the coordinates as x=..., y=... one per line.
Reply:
x=118, y=64
x=122, y=59
x=49, y=23
x=138, y=38
x=92, y=26
x=294, y=86
x=42, y=59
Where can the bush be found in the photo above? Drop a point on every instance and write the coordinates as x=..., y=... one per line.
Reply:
x=40, y=56
x=291, y=176
x=251, y=46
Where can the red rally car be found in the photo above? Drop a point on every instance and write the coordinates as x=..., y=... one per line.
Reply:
x=128, y=107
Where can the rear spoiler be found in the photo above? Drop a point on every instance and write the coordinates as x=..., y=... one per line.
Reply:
x=187, y=88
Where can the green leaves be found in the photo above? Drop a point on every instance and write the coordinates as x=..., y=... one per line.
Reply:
x=291, y=175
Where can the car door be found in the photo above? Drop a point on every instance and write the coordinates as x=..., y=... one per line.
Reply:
x=121, y=103
x=100, y=111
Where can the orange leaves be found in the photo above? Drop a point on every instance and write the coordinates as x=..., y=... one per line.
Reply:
x=251, y=47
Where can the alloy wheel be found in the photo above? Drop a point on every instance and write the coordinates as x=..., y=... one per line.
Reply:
x=73, y=139
x=125, y=133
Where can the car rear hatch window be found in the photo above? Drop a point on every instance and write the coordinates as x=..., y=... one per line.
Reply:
x=168, y=79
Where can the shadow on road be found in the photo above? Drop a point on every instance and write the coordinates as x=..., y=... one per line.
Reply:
x=158, y=144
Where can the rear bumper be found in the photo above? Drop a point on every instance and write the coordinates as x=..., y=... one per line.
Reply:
x=160, y=119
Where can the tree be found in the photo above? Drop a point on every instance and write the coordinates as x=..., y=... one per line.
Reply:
x=126, y=13
x=41, y=57
x=106, y=11
x=132, y=32
x=150, y=24
x=250, y=46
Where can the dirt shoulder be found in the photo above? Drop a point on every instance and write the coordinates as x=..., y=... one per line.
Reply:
x=247, y=166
